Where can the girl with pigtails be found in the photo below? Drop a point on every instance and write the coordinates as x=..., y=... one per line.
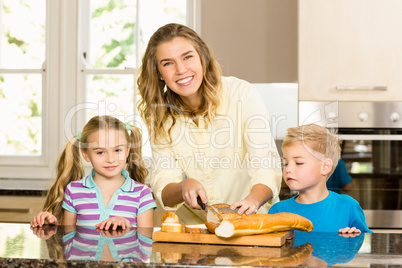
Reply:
x=113, y=194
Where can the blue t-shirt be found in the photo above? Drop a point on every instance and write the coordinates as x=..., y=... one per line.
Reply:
x=339, y=178
x=335, y=212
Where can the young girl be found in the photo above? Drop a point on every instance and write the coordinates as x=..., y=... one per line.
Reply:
x=110, y=195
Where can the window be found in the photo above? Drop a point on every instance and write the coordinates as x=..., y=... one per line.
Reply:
x=62, y=62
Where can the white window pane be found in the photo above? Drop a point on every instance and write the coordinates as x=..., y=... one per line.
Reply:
x=110, y=94
x=21, y=110
x=156, y=13
x=112, y=29
x=22, y=33
x=112, y=38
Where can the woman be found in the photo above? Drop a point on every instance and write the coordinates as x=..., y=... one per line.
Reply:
x=210, y=134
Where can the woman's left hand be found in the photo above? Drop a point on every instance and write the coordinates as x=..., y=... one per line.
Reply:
x=115, y=222
x=245, y=206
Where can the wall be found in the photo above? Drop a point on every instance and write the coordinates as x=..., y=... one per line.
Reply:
x=254, y=40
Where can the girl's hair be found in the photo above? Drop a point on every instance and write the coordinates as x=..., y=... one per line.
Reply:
x=320, y=141
x=158, y=104
x=70, y=167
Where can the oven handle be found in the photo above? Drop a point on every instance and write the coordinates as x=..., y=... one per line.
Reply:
x=370, y=137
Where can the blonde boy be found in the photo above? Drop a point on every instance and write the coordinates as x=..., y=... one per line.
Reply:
x=310, y=155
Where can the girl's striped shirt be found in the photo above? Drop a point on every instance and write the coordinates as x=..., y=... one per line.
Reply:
x=84, y=198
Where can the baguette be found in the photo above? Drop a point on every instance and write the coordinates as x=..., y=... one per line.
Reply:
x=263, y=223
x=217, y=213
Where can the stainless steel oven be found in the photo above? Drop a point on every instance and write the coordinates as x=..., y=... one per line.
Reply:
x=372, y=151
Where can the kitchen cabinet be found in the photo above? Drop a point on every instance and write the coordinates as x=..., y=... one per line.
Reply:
x=252, y=40
x=350, y=50
x=14, y=208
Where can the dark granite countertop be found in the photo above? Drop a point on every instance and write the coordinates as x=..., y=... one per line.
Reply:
x=65, y=246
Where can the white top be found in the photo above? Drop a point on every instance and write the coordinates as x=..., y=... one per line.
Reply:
x=228, y=155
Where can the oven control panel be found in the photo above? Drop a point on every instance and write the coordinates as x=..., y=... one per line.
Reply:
x=344, y=114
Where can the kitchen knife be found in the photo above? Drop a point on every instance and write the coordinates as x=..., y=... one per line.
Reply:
x=202, y=205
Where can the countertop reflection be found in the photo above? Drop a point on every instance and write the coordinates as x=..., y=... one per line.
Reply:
x=51, y=246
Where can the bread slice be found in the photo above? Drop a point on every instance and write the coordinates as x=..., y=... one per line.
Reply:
x=171, y=227
x=170, y=217
x=196, y=229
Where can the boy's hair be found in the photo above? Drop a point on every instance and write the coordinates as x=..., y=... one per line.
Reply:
x=323, y=143
x=70, y=167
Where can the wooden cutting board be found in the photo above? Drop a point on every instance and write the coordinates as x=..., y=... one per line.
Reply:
x=276, y=239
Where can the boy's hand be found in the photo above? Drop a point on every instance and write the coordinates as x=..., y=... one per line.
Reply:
x=349, y=230
x=43, y=218
x=116, y=222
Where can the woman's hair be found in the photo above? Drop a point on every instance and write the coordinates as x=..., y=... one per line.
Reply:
x=70, y=167
x=157, y=104
x=320, y=141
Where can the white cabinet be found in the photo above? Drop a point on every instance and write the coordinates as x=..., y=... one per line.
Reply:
x=350, y=50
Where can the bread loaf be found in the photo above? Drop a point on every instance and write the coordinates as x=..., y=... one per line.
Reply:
x=219, y=212
x=263, y=223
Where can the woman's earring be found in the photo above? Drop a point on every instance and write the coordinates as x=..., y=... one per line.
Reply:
x=161, y=78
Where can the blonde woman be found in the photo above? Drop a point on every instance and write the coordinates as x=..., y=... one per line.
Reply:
x=210, y=134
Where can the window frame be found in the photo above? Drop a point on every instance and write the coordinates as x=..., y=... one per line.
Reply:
x=63, y=89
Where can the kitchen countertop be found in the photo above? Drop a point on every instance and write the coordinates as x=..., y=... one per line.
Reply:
x=52, y=246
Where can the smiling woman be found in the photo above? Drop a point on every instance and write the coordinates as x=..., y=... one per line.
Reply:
x=190, y=110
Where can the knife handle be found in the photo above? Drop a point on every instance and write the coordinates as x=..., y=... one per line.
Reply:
x=202, y=205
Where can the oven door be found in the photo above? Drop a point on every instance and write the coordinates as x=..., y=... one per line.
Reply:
x=373, y=158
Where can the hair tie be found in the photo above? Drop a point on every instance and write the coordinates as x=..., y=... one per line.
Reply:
x=79, y=135
x=128, y=126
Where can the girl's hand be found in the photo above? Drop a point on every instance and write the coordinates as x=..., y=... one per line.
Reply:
x=191, y=189
x=42, y=218
x=112, y=233
x=116, y=222
x=247, y=206
x=44, y=233
x=349, y=230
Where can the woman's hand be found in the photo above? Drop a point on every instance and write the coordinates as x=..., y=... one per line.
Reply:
x=246, y=206
x=42, y=218
x=185, y=191
x=191, y=189
x=115, y=222
x=259, y=194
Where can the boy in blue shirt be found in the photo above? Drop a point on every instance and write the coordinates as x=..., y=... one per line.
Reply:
x=310, y=155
